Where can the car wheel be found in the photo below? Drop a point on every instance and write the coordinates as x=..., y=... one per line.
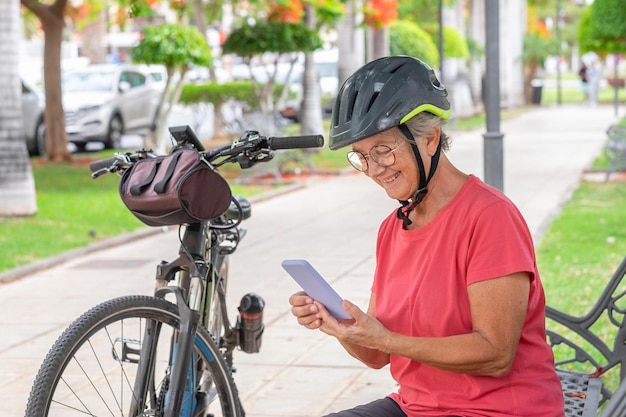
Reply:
x=40, y=139
x=80, y=146
x=114, y=136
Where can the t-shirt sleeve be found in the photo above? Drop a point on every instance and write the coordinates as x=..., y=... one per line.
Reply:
x=500, y=244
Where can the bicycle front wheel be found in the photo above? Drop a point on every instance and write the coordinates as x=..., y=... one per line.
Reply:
x=98, y=363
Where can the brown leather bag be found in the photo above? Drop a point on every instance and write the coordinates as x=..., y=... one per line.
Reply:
x=179, y=188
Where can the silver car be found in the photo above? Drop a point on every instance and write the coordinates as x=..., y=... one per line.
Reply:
x=102, y=102
x=33, y=107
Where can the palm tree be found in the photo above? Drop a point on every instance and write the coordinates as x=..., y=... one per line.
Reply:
x=17, y=186
x=311, y=109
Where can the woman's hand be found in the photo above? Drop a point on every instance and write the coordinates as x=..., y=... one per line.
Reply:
x=361, y=330
x=354, y=334
x=305, y=310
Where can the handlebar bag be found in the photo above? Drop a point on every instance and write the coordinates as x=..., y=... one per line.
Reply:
x=178, y=188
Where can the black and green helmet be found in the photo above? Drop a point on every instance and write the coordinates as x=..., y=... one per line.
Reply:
x=383, y=94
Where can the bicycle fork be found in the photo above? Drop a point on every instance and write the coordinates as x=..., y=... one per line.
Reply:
x=181, y=398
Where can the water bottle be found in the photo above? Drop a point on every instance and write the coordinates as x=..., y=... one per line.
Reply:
x=251, y=322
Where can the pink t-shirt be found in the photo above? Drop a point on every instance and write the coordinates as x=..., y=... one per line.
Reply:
x=421, y=290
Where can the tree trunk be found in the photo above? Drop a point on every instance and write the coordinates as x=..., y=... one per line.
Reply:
x=311, y=108
x=17, y=186
x=377, y=43
x=51, y=17
x=350, y=41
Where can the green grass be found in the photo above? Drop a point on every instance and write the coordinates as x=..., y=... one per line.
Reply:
x=583, y=245
x=606, y=95
x=73, y=211
x=578, y=255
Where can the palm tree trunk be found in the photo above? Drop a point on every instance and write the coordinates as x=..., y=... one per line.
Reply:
x=17, y=186
x=311, y=108
x=350, y=41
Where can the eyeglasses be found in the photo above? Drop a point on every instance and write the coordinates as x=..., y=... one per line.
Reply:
x=383, y=155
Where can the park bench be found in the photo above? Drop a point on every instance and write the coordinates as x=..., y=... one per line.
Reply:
x=615, y=149
x=592, y=366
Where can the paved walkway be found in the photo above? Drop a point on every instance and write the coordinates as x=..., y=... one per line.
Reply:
x=331, y=222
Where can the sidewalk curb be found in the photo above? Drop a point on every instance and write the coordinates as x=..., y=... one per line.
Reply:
x=46, y=263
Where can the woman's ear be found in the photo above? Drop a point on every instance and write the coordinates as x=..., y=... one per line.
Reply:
x=432, y=141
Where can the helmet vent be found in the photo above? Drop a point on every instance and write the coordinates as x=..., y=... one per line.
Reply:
x=394, y=68
x=372, y=100
x=351, y=100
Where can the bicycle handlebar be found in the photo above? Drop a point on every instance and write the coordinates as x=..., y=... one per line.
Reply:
x=249, y=149
x=295, y=142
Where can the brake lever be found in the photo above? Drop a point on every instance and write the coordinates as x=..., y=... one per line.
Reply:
x=100, y=172
x=250, y=158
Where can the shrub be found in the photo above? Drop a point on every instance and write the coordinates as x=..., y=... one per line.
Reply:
x=407, y=38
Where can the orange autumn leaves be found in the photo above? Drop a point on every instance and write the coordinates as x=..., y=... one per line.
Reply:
x=376, y=13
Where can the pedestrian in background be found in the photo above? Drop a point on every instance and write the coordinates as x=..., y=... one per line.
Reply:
x=593, y=80
x=584, y=84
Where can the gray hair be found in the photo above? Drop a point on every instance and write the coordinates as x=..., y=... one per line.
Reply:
x=422, y=124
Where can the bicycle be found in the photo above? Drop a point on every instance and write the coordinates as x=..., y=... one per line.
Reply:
x=170, y=354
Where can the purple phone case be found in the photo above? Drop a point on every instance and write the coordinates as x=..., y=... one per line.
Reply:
x=315, y=286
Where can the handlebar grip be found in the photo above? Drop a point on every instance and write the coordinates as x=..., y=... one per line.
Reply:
x=293, y=142
x=101, y=164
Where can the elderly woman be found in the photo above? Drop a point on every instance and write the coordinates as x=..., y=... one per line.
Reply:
x=457, y=305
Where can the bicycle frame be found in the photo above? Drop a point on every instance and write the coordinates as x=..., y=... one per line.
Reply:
x=203, y=250
x=200, y=271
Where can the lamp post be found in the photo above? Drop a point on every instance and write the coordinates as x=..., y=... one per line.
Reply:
x=493, y=138
x=441, y=52
x=559, y=51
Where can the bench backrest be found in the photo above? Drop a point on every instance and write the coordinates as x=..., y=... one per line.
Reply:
x=579, y=348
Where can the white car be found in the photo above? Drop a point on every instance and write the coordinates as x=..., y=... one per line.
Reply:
x=102, y=102
x=33, y=107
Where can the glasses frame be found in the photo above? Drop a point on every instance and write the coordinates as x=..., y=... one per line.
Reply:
x=364, y=157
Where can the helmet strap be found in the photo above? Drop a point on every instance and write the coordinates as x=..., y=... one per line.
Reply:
x=408, y=205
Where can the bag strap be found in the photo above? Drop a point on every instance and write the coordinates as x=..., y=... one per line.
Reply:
x=159, y=187
x=135, y=189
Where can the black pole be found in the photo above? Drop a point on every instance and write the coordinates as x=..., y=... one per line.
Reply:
x=441, y=52
x=493, y=139
x=615, y=84
x=558, y=58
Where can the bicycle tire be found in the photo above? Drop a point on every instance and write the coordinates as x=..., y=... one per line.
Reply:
x=90, y=368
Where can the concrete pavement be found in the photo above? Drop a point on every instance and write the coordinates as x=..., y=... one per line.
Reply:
x=333, y=223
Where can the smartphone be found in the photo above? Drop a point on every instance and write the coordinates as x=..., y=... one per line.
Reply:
x=315, y=286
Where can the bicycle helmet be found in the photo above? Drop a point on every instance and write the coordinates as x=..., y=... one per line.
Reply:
x=383, y=94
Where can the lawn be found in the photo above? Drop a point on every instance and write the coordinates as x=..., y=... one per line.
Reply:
x=75, y=210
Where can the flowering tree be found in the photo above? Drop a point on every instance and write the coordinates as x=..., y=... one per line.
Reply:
x=538, y=45
x=281, y=37
x=379, y=14
x=51, y=16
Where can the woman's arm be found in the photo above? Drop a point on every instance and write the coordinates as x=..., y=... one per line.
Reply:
x=309, y=314
x=498, y=310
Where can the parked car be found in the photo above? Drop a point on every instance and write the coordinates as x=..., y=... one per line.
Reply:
x=33, y=107
x=102, y=102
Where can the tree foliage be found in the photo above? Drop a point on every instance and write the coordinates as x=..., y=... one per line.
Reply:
x=607, y=41
x=609, y=20
x=407, y=38
x=271, y=36
x=454, y=43
x=177, y=47
x=173, y=45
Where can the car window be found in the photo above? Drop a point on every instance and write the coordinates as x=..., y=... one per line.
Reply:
x=87, y=81
x=25, y=89
x=135, y=79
